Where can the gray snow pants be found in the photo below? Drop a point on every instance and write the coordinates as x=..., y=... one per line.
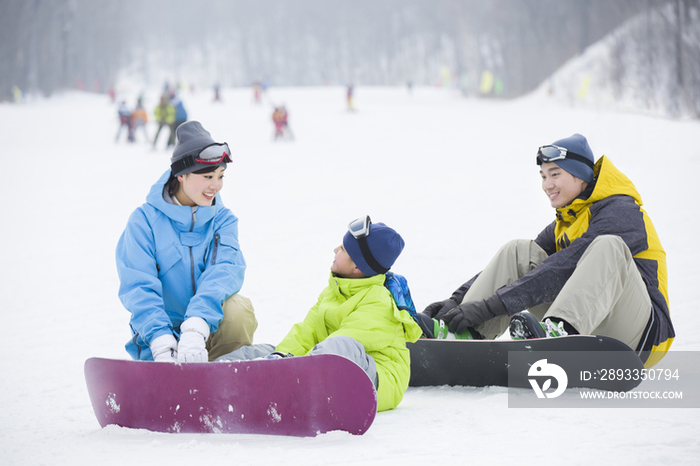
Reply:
x=344, y=346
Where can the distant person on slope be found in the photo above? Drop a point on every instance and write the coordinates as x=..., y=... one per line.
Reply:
x=599, y=268
x=278, y=121
x=180, y=118
x=179, y=262
x=165, y=117
x=124, y=122
x=350, y=92
x=139, y=118
x=285, y=123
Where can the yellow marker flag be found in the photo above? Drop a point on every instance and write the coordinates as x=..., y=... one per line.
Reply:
x=583, y=90
x=486, y=82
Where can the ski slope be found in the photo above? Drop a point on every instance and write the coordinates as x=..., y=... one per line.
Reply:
x=456, y=177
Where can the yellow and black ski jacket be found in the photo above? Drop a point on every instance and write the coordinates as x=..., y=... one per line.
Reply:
x=610, y=205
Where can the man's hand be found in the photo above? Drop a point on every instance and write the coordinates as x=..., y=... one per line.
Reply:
x=439, y=309
x=473, y=313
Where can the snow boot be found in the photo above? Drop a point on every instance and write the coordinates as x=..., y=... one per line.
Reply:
x=442, y=333
x=278, y=355
x=524, y=326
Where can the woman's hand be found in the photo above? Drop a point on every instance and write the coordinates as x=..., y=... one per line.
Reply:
x=193, y=340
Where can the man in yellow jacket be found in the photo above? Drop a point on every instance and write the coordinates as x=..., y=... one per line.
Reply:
x=598, y=268
x=355, y=315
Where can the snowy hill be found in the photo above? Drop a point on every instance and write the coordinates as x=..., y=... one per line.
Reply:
x=636, y=68
x=456, y=177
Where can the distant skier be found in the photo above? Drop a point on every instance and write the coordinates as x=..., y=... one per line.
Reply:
x=278, y=121
x=280, y=118
x=139, y=118
x=165, y=116
x=180, y=117
x=285, y=121
x=349, y=94
x=124, y=115
x=257, y=92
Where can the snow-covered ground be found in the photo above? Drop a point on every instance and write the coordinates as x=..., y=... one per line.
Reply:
x=456, y=177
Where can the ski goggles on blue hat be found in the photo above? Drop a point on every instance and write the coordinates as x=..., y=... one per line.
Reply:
x=359, y=229
x=552, y=153
x=213, y=154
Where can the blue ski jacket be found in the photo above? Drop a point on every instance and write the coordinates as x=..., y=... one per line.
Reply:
x=176, y=262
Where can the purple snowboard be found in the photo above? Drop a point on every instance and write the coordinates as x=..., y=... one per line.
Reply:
x=302, y=396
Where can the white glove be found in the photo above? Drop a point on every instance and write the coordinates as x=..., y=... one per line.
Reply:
x=193, y=339
x=164, y=348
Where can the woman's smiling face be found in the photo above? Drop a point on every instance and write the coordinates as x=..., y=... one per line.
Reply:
x=200, y=189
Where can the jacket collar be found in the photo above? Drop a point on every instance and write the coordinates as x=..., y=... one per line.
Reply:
x=181, y=215
x=608, y=181
x=350, y=286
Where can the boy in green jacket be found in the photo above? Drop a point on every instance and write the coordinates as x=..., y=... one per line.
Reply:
x=355, y=315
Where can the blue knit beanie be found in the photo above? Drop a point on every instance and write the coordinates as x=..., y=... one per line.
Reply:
x=384, y=243
x=578, y=145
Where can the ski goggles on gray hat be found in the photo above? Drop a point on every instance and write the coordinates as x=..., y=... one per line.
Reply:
x=213, y=154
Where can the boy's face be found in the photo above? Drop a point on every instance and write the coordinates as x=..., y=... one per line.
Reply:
x=343, y=266
x=560, y=186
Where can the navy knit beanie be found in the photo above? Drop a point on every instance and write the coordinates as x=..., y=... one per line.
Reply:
x=578, y=145
x=384, y=243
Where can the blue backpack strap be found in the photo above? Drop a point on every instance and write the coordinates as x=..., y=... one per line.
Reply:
x=398, y=286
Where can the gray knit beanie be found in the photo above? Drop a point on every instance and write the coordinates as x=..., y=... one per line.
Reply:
x=191, y=138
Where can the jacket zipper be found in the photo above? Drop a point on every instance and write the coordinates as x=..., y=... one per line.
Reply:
x=137, y=346
x=216, y=247
x=194, y=287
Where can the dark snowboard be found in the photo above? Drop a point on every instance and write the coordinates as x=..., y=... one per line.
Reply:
x=586, y=359
x=301, y=397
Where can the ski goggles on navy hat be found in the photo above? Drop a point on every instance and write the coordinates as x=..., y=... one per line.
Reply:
x=372, y=247
x=552, y=153
x=572, y=154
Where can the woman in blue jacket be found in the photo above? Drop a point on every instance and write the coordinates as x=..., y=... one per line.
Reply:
x=179, y=262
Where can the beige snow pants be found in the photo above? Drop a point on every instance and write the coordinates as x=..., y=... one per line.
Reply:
x=235, y=329
x=605, y=295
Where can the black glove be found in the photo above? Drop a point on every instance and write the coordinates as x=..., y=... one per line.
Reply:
x=440, y=308
x=473, y=313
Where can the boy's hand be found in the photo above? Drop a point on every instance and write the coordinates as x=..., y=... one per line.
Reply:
x=474, y=313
